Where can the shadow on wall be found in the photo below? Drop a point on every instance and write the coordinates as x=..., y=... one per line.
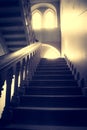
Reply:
x=49, y=52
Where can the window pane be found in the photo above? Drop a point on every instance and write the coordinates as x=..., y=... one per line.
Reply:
x=36, y=20
x=50, y=19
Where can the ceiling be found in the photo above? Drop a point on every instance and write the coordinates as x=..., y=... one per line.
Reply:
x=42, y=1
x=12, y=24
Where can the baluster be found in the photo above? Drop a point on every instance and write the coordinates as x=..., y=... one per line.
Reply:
x=15, y=97
x=8, y=82
x=7, y=113
x=21, y=72
x=78, y=78
x=17, y=70
x=30, y=67
x=1, y=82
x=82, y=83
x=26, y=67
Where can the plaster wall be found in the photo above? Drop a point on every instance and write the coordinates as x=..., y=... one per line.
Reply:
x=51, y=37
x=3, y=48
x=74, y=33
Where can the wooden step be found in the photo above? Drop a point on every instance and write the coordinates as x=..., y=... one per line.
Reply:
x=53, y=72
x=76, y=101
x=42, y=127
x=50, y=116
x=53, y=83
x=52, y=91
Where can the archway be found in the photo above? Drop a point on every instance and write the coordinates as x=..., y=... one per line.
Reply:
x=49, y=52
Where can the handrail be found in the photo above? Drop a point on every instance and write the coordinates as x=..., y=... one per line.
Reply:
x=6, y=60
x=80, y=80
x=19, y=66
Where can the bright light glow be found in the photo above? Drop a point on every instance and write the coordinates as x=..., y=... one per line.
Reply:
x=12, y=86
x=50, y=52
x=19, y=80
x=50, y=19
x=36, y=20
x=2, y=99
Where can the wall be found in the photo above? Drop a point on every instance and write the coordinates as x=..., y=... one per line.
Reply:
x=3, y=49
x=51, y=37
x=74, y=33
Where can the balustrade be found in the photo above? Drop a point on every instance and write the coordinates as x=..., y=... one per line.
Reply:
x=79, y=79
x=21, y=66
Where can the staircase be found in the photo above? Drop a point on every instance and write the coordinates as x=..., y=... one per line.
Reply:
x=13, y=28
x=52, y=101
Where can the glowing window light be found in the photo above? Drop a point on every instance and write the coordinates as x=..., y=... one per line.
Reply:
x=50, y=19
x=2, y=99
x=50, y=52
x=36, y=20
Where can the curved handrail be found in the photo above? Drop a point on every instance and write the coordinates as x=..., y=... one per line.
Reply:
x=6, y=60
x=19, y=66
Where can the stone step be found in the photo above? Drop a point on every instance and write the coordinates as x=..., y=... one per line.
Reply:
x=42, y=127
x=53, y=77
x=52, y=68
x=53, y=72
x=50, y=116
x=52, y=91
x=53, y=101
x=53, y=83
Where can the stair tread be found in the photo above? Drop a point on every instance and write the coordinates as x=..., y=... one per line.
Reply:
x=73, y=96
x=52, y=108
x=53, y=86
x=45, y=127
x=52, y=98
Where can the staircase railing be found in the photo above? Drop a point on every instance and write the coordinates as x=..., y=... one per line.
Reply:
x=80, y=80
x=17, y=67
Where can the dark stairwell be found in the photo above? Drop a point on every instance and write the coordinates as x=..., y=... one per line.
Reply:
x=52, y=100
x=48, y=97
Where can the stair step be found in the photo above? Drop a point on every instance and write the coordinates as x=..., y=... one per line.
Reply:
x=52, y=68
x=52, y=91
x=52, y=65
x=53, y=83
x=53, y=77
x=56, y=86
x=53, y=101
x=53, y=72
x=52, y=116
x=43, y=127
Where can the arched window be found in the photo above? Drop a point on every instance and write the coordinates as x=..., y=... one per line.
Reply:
x=36, y=20
x=50, y=19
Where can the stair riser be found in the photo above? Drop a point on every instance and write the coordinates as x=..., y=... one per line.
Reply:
x=52, y=66
x=53, y=83
x=40, y=77
x=52, y=69
x=53, y=102
x=52, y=72
x=48, y=117
x=53, y=91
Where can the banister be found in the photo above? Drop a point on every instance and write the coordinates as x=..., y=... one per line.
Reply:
x=8, y=59
x=21, y=63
